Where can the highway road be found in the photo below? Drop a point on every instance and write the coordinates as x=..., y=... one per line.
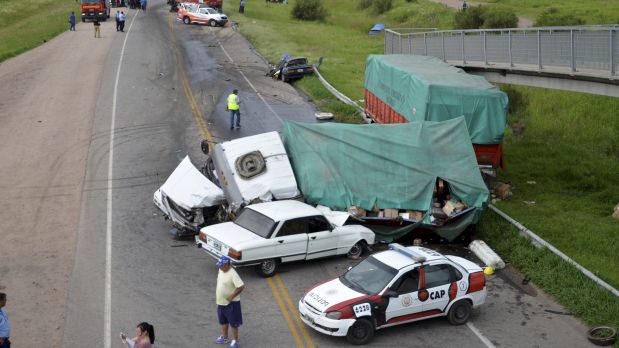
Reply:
x=163, y=88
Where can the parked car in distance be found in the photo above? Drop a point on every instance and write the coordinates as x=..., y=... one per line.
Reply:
x=397, y=286
x=193, y=13
x=267, y=234
x=290, y=68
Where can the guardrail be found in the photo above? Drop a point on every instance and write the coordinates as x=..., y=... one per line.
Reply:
x=583, y=50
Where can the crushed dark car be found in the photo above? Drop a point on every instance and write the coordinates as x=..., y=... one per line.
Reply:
x=291, y=68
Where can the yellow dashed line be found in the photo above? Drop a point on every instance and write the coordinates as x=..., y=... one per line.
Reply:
x=293, y=310
x=282, y=308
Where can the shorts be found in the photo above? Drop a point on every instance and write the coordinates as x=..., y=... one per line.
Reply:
x=230, y=314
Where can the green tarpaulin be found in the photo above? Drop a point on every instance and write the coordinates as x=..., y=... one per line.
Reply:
x=394, y=166
x=425, y=88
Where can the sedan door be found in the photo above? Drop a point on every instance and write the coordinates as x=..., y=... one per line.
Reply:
x=291, y=240
x=406, y=305
x=322, y=240
x=437, y=283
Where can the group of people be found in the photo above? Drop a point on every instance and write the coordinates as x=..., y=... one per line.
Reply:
x=120, y=21
x=227, y=297
x=139, y=4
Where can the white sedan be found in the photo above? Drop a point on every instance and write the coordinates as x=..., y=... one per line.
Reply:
x=267, y=234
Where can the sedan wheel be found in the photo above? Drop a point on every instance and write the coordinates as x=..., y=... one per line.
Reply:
x=186, y=20
x=361, y=332
x=267, y=268
x=356, y=251
x=459, y=312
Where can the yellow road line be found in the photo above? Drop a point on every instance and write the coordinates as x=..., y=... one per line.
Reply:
x=282, y=308
x=195, y=110
x=293, y=310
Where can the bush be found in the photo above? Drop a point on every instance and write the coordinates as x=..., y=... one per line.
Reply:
x=364, y=4
x=309, y=10
x=472, y=18
x=382, y=6
x=497, y=17
x=551, y=17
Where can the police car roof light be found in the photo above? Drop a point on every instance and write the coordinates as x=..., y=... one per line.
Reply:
x=406, y=251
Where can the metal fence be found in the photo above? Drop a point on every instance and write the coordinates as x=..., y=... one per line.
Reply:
x=586, y=50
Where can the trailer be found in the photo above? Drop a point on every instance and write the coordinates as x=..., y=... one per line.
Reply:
x=405, y=88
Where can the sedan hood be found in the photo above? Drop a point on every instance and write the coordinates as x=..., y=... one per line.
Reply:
x=231, y=234
x=188, y=188
x=330, y=294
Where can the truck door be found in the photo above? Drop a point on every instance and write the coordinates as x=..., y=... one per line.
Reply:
x=291, y=240
x=322, y=241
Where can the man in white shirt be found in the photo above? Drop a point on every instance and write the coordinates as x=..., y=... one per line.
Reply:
x=227, y=294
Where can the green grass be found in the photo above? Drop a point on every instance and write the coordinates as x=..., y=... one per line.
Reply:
x=28, y=24
x=592, y=11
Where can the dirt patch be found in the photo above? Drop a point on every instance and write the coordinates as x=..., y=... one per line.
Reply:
x=47, y=99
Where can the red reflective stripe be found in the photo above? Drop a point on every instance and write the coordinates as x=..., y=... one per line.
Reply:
x=338, y=306
x=414, y=316
x=453, y=291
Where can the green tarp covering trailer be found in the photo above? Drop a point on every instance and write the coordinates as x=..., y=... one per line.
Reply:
x=402, y=88
x=394, y=166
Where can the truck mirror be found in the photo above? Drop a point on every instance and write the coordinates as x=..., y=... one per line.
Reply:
x=205, y=147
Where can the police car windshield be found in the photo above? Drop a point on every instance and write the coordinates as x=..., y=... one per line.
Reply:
x=370, y=276
x=255, y=222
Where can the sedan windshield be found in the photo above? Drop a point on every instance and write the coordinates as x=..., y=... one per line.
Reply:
x=370, y=276
x=255, y=222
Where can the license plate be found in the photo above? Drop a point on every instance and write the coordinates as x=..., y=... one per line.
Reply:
x=217, y=246
x=308, y=318
x=299, y=70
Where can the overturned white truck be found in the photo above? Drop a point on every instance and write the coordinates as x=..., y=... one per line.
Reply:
x=236, y=173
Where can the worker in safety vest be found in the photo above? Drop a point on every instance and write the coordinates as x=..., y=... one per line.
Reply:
x=234, y=104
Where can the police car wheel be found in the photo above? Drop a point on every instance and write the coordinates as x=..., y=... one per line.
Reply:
x=459, y=312
x=356, y=251
x=361, y=332
x=267, y=268
x=186, y=20
x=212, y=23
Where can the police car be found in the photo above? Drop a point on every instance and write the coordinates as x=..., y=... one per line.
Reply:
x=397, y=286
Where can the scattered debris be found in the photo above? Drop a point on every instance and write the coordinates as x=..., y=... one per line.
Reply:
x=531, y=182
x=486, y=254
x=616, y=211
x=323, y=115
x=502, y=190
x=602, y=335
x=529, y=203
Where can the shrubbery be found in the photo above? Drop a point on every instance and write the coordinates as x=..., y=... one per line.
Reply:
x=309, y=10
x=472, y=18
x=487, y=17
x=382, y=6
x=497, y=17
x=364, y=4
x=551, y=17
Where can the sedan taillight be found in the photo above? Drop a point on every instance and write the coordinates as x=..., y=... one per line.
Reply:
x=202, y=236
x=477, y=282
x=234, y=254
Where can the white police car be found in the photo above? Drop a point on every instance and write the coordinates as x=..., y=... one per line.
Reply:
x=397, y=286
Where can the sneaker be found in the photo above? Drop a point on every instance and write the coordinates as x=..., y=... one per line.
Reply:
x=222, y=340
x=234, y=344
x=238, y=126
x=231, y=128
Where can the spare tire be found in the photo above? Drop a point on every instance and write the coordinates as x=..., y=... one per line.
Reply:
x=602, y=335
x=250, y=164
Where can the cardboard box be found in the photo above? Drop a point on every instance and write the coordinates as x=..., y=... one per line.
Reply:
x=391, y=213
x=449, y=207
x=356, y=211
x=405, y=215
x=415, y=215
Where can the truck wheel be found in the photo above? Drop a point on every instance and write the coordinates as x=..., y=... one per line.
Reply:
x=356, y=251
x=267, y=268
x=212, y=23
x=186, y=20
x=459, y=312
x=361, y=332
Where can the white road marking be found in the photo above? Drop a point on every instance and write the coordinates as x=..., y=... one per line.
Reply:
x=480, y=335
x=107, y=331
x=249, y=82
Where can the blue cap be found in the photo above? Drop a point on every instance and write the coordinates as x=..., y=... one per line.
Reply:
x=223, y=260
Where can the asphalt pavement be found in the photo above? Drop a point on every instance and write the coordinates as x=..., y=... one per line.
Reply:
x=169, y=94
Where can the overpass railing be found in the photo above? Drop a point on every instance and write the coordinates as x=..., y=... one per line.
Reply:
x=586, y=50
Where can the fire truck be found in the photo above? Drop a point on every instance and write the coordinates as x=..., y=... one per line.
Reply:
x=95, y=9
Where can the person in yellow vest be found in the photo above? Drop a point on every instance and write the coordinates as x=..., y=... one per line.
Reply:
x=234, y=105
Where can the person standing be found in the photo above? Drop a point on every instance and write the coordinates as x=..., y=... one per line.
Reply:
x=234, y=105
x=117, y=20
x=97, y=26
x=5, y=325
x=72, y=21
x=143, y=4
x=227, y=294
x=464, y=6
x=242, y=7
x=121, y=19
x=144, y=337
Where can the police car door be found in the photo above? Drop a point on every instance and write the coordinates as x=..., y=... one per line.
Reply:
x=437, y=282
x=291, y=240
x=406, y=304
x=322, y=241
